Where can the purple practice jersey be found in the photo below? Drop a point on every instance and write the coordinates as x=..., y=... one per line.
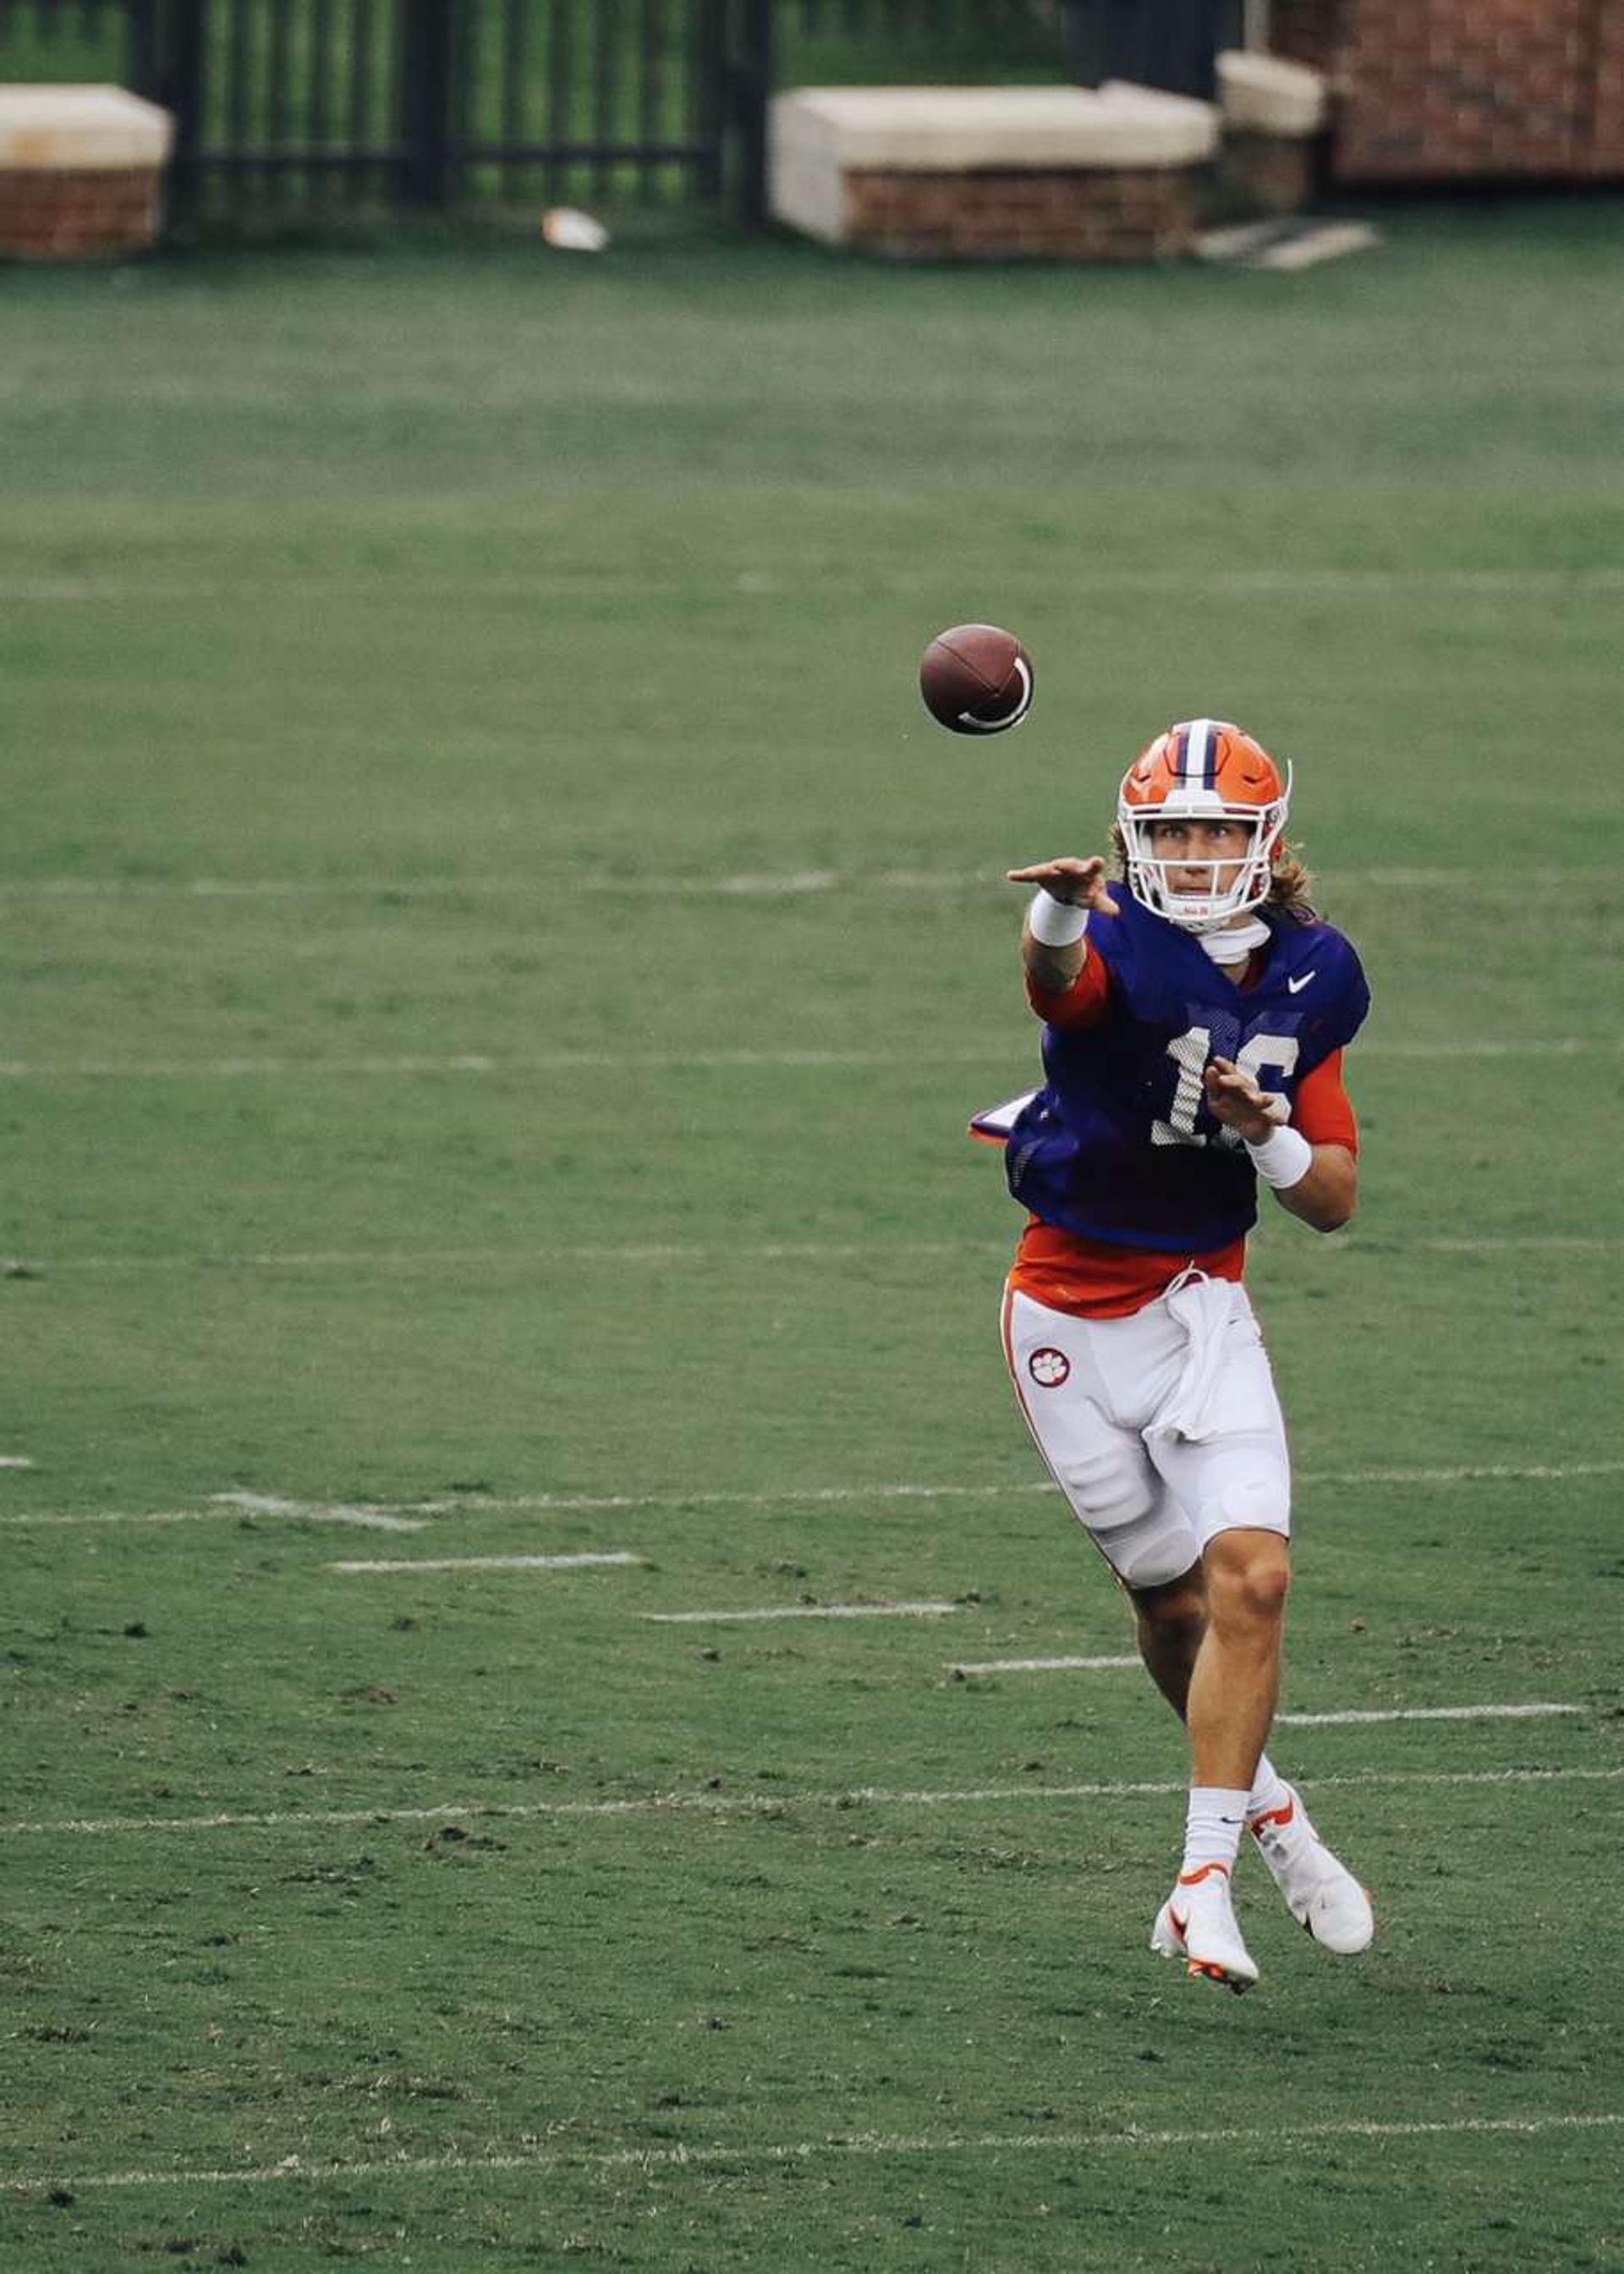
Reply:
x=1119, y=1144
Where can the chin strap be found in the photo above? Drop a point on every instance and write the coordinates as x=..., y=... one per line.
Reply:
x=1236, y=944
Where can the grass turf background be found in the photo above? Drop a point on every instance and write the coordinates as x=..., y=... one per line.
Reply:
x=406, y=660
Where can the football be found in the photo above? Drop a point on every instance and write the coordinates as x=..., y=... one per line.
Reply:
x=977, y=679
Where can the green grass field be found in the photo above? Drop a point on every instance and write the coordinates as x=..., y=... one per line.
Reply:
x=497, y=964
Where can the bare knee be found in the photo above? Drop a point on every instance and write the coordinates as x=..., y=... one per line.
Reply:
x=1248, y=1577
x=1175, y=1611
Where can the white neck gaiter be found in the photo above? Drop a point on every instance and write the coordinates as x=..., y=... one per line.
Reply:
x=1237, y=943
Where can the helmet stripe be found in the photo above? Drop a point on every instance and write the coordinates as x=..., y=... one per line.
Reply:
x=1200, y=758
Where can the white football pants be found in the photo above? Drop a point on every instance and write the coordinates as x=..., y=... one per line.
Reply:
x=1161, y=1429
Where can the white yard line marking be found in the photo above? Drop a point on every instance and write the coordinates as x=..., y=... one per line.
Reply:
x=54, y=1519
x=15, y=1461
x=629, y=1253
x=989, y=1054
x=1486, y=1046
x=186, y=1069
x=820, y=1496
x=1523, y=1243
x=526, y=2157
x=374, y=1519
x=751, y=1803
x=1424, y=1714
x=656, y=1253
x=766, y=884
x=497, y=1562
x=1473, y=1473
x=1045, y=1665
x=805, y=1611
x=51, y=590
x=1377, y=583
x=800, y=1496
x=223, y=1507
x=1360, y=1718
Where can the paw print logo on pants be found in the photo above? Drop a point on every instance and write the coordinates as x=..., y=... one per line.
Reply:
x=1048, y=1368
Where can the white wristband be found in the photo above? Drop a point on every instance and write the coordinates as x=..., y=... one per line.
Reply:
x=1284, y=1158
x=1055, y=924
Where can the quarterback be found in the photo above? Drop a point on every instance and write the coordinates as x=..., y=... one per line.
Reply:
x=1195, y=1016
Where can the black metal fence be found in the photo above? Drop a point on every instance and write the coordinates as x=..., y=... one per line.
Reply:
x=429, y=102
x=317, y=104
x=1173, y=44
x=1164, y=43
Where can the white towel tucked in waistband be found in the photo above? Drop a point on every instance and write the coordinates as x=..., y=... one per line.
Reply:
x=1204, y=1308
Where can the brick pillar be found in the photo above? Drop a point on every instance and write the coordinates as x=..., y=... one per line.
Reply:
x=1307, y=31
x=1606, y=141
x=79, y=172
x=1440, y=90
x=993, y=173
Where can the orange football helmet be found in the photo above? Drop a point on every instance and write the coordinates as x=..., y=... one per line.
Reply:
x=1202, y=769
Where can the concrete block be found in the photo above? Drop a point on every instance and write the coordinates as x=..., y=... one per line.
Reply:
x=1265, y=94
x=81, y=130
x=820, y=137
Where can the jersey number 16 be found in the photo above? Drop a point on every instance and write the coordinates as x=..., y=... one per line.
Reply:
x=1275, y=1054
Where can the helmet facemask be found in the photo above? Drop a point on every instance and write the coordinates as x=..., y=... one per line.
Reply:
x=1164, y=795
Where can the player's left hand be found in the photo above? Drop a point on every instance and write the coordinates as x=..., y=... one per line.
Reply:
x=1235, y=1099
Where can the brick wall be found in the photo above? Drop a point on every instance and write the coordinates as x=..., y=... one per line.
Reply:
x=1270, y=173
x=1440, y=90
x=1607, y=89
x=1307, y=31
x=1134, y=214
x=77, y=213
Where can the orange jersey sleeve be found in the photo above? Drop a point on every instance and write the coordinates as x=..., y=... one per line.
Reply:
x=1084, y=1003
x=1323, y=1112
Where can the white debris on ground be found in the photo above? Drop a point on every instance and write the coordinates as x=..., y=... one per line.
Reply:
x=1295, y=242
x=570, y=231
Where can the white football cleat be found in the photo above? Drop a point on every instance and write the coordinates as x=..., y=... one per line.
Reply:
x=1323, y=1895
x=1197, y=1924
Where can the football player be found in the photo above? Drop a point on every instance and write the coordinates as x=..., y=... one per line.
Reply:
x=1195, y=1015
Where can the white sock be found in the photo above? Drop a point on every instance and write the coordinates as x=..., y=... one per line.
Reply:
x=1212, y=1827
x=1269, y=1789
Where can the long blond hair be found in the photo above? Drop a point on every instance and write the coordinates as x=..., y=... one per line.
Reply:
x=1289, y=881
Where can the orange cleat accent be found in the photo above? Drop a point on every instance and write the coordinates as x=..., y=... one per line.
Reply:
x=1322, y=1894
x=1278, y=1817
x=1200, y=1928
x=1198, y=1970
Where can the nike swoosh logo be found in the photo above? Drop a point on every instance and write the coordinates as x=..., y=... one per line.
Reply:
x=1295, y=986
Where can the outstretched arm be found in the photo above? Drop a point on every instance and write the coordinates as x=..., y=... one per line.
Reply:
x=1326, y=1191
x=1075, y=883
